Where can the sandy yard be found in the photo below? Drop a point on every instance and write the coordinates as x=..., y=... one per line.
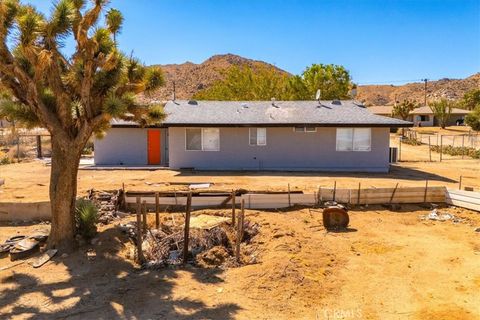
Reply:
x=390, y=265
x=447, y=131
x=25, y=182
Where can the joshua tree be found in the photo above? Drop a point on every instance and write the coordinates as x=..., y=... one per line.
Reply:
x=72, y=97
x=403, y=109
x=442, y=110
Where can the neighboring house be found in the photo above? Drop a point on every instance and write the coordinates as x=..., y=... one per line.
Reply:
x=255, y=135
x=423, y=116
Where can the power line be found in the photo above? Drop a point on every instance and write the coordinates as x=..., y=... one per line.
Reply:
x=394, y=81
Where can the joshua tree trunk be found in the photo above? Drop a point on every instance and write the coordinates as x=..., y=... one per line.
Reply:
x=63, y=191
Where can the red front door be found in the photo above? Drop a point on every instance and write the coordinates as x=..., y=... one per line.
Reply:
x=154, y=153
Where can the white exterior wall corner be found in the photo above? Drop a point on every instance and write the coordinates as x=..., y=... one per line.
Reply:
x=122, y=146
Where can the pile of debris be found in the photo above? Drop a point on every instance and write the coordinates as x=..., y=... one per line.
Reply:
x=107, y=202
x=213, y=246
x=434, y=215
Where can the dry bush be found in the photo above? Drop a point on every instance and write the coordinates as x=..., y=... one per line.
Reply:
x=20, y=152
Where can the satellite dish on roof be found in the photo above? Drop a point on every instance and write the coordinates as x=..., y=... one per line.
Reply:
x=317, y=95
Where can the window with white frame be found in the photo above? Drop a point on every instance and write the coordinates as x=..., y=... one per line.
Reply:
x=258, y=136
x=305, y=129
x=202, y=139
x=354, y=139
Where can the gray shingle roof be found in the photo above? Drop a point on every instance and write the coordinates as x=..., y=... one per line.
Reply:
x=328, y=113
x=280, y=113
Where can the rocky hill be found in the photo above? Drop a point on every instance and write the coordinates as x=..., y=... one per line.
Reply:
x=444, y=88
x=190, y=78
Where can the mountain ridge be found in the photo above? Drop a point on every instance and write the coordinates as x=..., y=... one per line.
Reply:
x=191, y=77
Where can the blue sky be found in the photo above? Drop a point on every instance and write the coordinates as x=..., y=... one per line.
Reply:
x=379, y=41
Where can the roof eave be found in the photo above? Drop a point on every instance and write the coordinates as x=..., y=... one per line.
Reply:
x=370, y=125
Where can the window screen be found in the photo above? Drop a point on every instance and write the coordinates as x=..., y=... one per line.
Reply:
x=344, y=139
x=354, y=139
x=211, y=139
x=361, y=139
x=193, y=139
x=258, y=136
x=206, y=139
x=305, y=129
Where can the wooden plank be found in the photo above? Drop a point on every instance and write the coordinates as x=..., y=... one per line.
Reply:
x=466, y=205
x=140, y=256
x=186, y=233
x=471, y=194
x=464, y=199
x=279, y=200
x=239, y=231
x=157, y=211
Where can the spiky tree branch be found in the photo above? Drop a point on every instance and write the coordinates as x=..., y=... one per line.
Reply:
x=72, y=97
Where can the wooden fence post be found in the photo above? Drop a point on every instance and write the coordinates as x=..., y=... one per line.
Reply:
x=460, y=184
x=144, y=215
x=463, y=146
x=426, y=190
x=18, y=148
x=140, y=257
x=234, y=194
x=430, y=148
x=289, y=199
x=157, y=211
x=239, y=231
x=441, y=147
x=393, y=194
x=39, y=147
x=400, y=149
x=186, y=233
x=334, y=190
x=358, y=195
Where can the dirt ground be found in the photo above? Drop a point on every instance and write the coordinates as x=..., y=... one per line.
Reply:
x=389, y=265
x=447, y=131
x=26, y=182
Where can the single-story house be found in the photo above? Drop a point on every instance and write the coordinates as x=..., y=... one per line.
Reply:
x=255, y=135
x=423, y=116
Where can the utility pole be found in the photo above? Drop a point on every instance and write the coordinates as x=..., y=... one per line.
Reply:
x=174, y=93
x=425, y=80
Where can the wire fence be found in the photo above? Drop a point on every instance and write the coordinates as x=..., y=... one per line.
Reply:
x=415, y=146
x=467, y=140
x=16, y=146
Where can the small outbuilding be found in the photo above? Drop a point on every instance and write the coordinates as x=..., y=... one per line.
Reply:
x=255, y=135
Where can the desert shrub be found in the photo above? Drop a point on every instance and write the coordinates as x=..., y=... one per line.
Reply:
x=20, y=152
x=88, y=149
x=458, y=151
x=4, y=159
x=411, y=141
x=473, y=119
x=86, y=216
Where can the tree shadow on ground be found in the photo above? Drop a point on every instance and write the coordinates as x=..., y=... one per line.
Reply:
x=108, y=287
x=396, y=172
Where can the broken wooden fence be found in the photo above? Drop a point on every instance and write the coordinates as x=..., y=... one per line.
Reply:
x=363, y=196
